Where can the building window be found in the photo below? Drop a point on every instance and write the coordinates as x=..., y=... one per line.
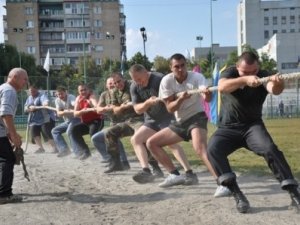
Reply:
x=289, y=65
x=275, y=31
x=97, y=10
x=292, y=30
x=30, y=37
x=274, y=20
x=98, y=48
x=29, y=24
x=266, y=34
x=283, y=20
x=283, y=31
x=266, y=10
x=28, y=10
x=31, y=50
x=97, y=23
x=292, y=19
x=266, y=21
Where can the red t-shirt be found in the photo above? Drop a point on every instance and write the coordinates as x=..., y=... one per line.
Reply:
x=90, y=116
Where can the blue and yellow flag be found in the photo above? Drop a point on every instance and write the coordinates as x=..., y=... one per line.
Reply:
x=216, y=96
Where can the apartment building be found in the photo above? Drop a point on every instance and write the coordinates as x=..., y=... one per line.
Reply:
x=69, y=29
x=273, y=25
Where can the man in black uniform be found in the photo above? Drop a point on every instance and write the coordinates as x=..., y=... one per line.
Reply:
x=241, y=125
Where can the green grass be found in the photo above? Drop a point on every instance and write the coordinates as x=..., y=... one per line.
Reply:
x=285, y=133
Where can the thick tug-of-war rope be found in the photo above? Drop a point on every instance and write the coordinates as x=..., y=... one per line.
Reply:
x=287, y=76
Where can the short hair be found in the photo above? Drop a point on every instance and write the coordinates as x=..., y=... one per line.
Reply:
x=115, y=74
x=61, y=88
x=249, y=57
x=136, y=68
x=177, y=56
x=16, y=72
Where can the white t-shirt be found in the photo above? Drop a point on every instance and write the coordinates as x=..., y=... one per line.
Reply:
x=62, y=105
x=189, y=107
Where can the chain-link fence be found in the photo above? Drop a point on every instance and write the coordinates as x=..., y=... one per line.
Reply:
x=286, y=104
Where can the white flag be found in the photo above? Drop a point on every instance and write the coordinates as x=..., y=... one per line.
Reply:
x=47, y=62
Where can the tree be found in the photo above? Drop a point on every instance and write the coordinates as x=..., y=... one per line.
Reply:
x=268, y=64
x=232, y=59
x=138, y=58
x=161, y=65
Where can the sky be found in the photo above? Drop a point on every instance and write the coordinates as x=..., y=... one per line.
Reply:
x=173, y=25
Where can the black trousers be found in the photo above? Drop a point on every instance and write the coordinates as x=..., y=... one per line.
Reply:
x=82, y=129
x=7, y=161
x=254, y=137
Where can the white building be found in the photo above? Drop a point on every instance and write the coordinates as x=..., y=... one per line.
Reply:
x=275, y=27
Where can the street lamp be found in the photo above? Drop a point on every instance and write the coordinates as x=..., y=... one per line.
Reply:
x=110, y=37
x=199, y=38
x=19, y=30
x=211, y=38
x=144, y=36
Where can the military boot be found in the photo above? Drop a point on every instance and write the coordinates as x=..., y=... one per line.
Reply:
x=114, y=164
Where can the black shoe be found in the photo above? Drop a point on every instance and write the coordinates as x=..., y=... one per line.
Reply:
x=63, y=154
x=190, y=179
x=143, y=177
x=126, y=165
x=85, y=155
x=242, y=204
x=157, y=173
x=114, y=166
x=10, y=199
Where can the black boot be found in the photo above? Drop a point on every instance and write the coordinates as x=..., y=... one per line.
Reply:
x=242, y=204
x=114, y=164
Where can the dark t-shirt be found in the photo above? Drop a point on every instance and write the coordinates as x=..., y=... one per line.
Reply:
x=157, y=112
x=244, y=105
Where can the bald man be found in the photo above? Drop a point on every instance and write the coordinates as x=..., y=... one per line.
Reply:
x=17, y=80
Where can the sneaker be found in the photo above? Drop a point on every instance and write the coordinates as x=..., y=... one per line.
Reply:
x=126, y=165
x=172, y=180
x=10, y=199
x=40, y=150
x=190, y=179
x=242, y=204
x=85, y=155
x=63, y=154
x=157, y=173
x=143, y=177
x=222, y=191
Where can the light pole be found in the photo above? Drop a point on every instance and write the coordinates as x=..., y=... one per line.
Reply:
x=144, y=36
x=83, y=43
x=199, y=38
x=19, y=30
x=211, y=38
x=110, y=37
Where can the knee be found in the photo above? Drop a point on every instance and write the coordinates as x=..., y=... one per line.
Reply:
x=134, y=140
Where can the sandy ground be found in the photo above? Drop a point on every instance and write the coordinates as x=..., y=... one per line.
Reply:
x=66, y=191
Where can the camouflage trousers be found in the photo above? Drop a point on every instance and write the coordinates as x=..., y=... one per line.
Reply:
x=117, y=131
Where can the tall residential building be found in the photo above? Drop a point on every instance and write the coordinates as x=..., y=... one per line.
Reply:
x=278, y=20
x=69, y=29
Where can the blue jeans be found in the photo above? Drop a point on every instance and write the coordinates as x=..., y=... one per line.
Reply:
x=59, y=140
x=99, y=143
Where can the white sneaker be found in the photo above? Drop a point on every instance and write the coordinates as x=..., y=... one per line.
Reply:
x=222, y=191
x=172, y=180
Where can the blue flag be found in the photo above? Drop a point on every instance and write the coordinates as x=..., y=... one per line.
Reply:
x=214, y=100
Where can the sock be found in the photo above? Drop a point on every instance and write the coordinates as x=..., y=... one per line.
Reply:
x=147, y=170
x=175, y=172
x=189, y=172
